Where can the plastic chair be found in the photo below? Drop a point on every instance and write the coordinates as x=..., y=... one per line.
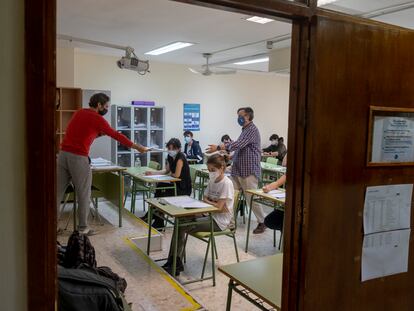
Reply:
x=206, y=236
x=154, y=165
x=272, y=160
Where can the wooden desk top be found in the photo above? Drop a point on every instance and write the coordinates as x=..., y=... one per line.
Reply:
x=272, y=167
x=105, y=169
x=198, y=167
x=175, y=211
x=261, y=276
x=139, y=173
x=267, y=196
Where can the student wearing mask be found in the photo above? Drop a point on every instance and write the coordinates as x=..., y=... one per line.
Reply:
x=277, y=148
x=274, y=141
x=192, y=148
x=246, y=170
x=176, y=166
x=73, y=164
x=275, y=219
x=219, y=193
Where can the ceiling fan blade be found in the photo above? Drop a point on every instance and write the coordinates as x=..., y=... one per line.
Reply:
x=194, y=71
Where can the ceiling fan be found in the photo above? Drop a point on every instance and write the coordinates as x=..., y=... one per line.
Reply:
x=206, y=71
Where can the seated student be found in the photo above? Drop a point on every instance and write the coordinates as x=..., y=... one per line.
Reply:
x=274, y=140
x=274, y=220
x=192, y=148
x=225, y=139
x=176, y=166
x=219, y=193
x=277, y=148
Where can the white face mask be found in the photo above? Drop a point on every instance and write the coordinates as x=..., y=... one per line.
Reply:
x=172, y=153
x=275, y=142
x=214, y=175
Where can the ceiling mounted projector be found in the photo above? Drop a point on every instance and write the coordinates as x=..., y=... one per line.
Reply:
x=130, y=61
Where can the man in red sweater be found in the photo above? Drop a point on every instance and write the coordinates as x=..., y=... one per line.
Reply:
x=73, y=163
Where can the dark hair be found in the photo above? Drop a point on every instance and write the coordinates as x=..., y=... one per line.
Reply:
x=249, y=111
x=98, y=98
x=281, y=139
x=174, y=142
x=274, y=137
x=188, y=133
x=225, y=137
x=218, y=160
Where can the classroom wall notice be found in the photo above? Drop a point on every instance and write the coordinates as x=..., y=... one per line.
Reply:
x=191, y=117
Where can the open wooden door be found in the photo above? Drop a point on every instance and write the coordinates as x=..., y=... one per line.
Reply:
x=353, y=64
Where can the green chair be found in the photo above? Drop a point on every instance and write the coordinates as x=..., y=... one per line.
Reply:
x=272, y=160
x=154, y=165
x=206, y=236
x=197, y=183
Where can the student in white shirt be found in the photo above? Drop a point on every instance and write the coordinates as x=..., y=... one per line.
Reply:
x=219, y=193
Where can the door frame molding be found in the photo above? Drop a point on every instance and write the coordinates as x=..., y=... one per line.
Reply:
x=40, y=86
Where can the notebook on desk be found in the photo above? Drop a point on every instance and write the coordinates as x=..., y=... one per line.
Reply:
x=184, y=202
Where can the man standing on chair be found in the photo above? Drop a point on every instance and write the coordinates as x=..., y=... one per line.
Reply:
x=246, y=169
x=73, y=163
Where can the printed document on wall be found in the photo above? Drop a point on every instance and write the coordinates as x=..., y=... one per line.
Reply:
x=387, y=208
x=385, y=253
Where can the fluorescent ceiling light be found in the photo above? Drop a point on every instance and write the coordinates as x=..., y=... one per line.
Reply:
x=259, y=20
x=325, y=2
x=253, y=61
x=169, y=48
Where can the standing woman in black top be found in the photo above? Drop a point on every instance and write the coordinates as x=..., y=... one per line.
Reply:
x=176, y=166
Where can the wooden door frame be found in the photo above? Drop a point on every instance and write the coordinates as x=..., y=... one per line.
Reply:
x=40, y=85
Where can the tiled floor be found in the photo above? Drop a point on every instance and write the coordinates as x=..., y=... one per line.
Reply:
x=149, y=287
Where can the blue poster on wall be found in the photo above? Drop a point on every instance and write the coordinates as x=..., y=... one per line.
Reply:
x=191, y=117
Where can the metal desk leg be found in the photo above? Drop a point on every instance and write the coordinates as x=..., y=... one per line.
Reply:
x=74, y=209
x=149, y=228
x=229, y=295
x=175, y=189
x=213, y=257
x=176, y=228
x=248, y=222
x=133, y=193
x=121, y=201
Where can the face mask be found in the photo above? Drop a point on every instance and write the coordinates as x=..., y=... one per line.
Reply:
x=172, y=153
x=188, y=139
x=214, y=175
x=103, y=112
x=275, y=142
x=241, y=120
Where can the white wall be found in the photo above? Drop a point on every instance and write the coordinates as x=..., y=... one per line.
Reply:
x=65, y=67
x=172, y=85
x=12, y=159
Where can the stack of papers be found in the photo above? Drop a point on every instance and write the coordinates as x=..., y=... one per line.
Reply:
x=184, y=202
x=99, y=162
x=278, y=194
x=160, y=177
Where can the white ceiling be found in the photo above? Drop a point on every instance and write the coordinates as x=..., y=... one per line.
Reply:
x=149, y=24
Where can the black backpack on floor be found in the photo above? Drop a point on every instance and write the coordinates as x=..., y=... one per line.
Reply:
x=81, y=290
x=79, y=250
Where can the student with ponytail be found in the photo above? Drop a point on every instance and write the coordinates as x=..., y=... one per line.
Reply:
x=219, y=193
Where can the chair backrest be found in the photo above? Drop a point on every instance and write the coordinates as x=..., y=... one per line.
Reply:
x=272, y=160
x=237, y=195
x=154, y=165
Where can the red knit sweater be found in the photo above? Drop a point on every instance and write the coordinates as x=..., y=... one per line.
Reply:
x=84, y=127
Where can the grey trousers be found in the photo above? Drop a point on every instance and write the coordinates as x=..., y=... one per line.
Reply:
x=248, y=183
x=76, y=169
x=202, y=227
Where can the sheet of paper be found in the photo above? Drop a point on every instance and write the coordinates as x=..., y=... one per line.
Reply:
x=387, y=208
x=100, y=162
x=105, y=167
x=393, y=139
x=185, y=202
x=385, y=253
x=278, y=194
x=160, y=177
x=157, y=149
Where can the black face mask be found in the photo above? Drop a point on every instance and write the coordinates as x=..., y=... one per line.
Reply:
x=103, y=112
